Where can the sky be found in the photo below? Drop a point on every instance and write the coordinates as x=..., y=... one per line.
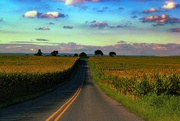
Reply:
x=127, y=27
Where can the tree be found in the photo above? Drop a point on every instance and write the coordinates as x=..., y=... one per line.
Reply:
x=112, y=54
x=98, y=52
x=83, y=54
x=75, y=54
x=54, y=53
x=39, y=53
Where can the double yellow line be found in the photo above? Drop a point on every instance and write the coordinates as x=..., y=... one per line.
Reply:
x=57, y=114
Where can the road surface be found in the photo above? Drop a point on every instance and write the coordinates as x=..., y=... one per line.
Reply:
x=78, y=100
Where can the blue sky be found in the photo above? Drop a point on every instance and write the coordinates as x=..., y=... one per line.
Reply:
x=128, y=27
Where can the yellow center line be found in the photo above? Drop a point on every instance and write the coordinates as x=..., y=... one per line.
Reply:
x=65, y=106
x=59, y=116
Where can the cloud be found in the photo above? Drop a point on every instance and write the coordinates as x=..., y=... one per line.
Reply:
x=151, y=10
x=72, y=2
x=41, y=39
x=122, y=42
x=169, y=5
x=12, y=46
x=121, y=48
x=159, y=47
x=175, y=29
x=161, y=19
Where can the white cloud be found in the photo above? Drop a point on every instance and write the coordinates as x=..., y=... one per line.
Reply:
x=169, y=5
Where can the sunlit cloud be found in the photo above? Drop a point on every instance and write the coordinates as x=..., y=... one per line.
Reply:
x=151, y=10
x=160, y=19
x=159, y=47
x=71, y=2
x=13, y=46
x=32, y=49
x=121, y=48
x=169, y=5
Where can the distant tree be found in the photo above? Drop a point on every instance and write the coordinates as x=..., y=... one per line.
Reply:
x=75, y=54
x=112, y=54
x=83, y=54
x=98, y=52
x=39, y=53
x=54, y=53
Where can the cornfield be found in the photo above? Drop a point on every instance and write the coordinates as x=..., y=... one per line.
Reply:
x=23, y=75
x=139, y=76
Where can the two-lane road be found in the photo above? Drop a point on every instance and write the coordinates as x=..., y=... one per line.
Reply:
x=79, y=100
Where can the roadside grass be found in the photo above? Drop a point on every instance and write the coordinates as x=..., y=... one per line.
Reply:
x=149, y=107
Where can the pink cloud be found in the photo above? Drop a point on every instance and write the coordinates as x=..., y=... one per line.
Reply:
x=71, y=2
x=159, y=47
x=121, y=48
x=151, y=10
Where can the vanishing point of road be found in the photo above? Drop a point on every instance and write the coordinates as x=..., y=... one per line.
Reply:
x=78, y=100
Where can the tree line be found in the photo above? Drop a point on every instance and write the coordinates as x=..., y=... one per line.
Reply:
x=83, y=54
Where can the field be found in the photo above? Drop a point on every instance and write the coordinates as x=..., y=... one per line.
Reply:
x=35, y=64
x=129, y=67
x=149, y=86
x=144, y=71
x=25, y=75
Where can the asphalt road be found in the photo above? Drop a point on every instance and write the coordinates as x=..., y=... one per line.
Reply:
x=78, y=100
